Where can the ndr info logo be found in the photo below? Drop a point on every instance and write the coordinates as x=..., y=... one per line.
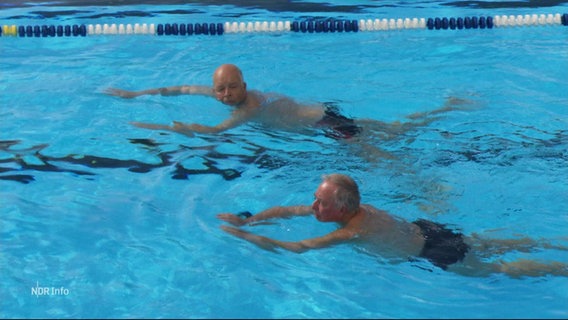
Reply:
x=49, y=291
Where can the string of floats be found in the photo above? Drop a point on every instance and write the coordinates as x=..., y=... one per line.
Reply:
x=306, y=26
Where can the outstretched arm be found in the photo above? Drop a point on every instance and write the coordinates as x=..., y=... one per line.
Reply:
x=451, y=104
x=335, y=237
x=189, y=129
x=237, y=118
x=271, y=213
x=165, y=91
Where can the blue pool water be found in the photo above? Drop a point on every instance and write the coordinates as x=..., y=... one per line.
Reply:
x=119, y=222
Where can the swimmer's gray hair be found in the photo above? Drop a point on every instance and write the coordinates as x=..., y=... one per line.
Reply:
x=347, y=194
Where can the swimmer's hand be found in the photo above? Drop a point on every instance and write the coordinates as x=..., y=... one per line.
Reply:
x=451, y=104
x=238, y=220
x=151, y=126
x=177, y=127
x=232, y=219
x=263, y=242
x=121, y=93
x=183, y=128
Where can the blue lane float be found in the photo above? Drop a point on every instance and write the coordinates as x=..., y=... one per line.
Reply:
x=302, y=26
x=460, y=23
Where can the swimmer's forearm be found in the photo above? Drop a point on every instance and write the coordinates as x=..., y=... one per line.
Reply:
x=195, y=127
x=132, y=94
x=265, y=242
x=185, y=89
x=280, y=212
x=270, y=244
x=297, y=247
x=180, y=90
x=164, y=91
x=153, y=126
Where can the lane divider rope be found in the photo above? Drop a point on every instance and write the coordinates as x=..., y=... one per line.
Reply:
x=304, y=26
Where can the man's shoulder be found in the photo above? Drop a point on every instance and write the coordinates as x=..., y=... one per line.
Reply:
x=269, y=96
x=377, y=212
x=370, y=207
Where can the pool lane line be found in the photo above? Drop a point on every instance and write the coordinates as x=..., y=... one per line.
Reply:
x=303, y=26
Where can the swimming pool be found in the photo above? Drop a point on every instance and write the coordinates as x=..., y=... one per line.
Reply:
x=119, y=222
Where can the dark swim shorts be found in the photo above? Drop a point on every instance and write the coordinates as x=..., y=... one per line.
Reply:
x=337, y=126
x=443, y=246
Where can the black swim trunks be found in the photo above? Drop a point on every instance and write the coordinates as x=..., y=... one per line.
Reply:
x=443, y=246
x=336, y=125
